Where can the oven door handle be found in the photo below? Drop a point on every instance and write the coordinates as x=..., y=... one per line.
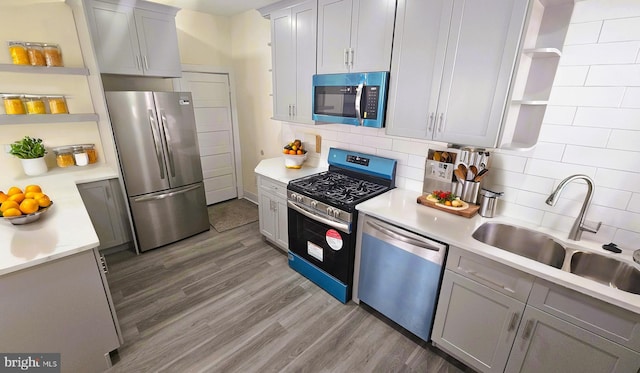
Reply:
x=343, y=227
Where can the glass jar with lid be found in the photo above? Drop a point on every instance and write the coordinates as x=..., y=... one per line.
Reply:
x=35, y=52
x=57, y=105
x=35, y=104
x=13, y=104
x=52, y=54
x=80, y=156
x=64, y=156
x=92, y=155
x=18, y=52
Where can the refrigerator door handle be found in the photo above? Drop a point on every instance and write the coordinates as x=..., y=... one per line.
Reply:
x=167, y=137
x=156, y=197
x=156, y=142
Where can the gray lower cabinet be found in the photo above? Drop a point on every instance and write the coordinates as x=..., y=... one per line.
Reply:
x=546, y=343
x=62, y=306
x=480, y=324
x=497, y=319
x=105, y=204
x=273, y=211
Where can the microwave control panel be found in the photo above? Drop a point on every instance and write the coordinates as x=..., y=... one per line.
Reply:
x=371, y=96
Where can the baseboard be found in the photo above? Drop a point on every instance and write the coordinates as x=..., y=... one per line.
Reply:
x=250, y=197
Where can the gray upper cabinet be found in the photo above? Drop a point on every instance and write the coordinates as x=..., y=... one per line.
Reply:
x=140, y=40
x=355, y=35
x=293, y=47
x=451, y=68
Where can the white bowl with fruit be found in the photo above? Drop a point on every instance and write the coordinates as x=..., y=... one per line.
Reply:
x=294, y=154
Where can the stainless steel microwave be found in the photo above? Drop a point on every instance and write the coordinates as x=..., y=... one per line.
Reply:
x=358, y=99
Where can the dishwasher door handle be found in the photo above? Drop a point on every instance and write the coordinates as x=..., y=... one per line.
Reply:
x=391, y=232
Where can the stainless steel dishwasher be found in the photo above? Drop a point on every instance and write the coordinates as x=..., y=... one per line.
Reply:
x=400, y=274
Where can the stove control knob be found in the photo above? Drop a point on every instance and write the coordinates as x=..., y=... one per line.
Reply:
x=329, y=211
x=314, y=204
x=293, y=196
x=300, y=199
x=336, y=213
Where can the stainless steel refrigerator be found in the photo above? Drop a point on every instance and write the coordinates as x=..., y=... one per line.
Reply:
x=156, y=139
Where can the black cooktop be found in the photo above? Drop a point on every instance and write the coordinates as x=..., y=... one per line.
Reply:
x=337, y=189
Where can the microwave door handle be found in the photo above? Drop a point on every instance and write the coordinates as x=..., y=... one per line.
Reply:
x=358, y=102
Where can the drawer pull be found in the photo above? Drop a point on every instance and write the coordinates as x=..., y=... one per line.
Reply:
x=476, y=274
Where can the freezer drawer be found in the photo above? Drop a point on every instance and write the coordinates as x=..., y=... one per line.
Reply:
x=165, y=217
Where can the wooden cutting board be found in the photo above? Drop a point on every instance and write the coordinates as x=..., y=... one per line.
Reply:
x=467, y=213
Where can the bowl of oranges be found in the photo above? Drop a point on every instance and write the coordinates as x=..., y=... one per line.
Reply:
x=294, y=154
x=20, y=206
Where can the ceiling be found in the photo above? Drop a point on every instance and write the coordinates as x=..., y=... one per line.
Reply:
x=218, y=7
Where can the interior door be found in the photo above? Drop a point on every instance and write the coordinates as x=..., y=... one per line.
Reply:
x=212, y=106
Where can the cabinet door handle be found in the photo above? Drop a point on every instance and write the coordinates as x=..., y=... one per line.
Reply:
x=352, y=54
x=146, y=63
x=431, y=116
x=346, y=57
x=528, y=330
x=513, y=322
x=441, y=120
x=289, y=110
x=293, y=110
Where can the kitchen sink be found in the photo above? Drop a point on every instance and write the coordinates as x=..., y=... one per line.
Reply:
x=544, y=249
x=606, y=270
x=530, y=244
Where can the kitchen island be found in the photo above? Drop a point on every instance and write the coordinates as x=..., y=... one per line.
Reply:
x=530, y=316
x=55, y=297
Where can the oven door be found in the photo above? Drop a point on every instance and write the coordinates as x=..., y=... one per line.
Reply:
x=325, y=253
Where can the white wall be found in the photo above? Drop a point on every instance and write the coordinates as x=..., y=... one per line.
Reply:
x=592, y=126
x=259, y=135
x=204, y=39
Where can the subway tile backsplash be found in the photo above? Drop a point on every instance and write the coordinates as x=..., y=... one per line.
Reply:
x=592, y=126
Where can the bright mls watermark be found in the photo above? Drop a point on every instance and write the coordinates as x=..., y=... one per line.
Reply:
x=29, y=362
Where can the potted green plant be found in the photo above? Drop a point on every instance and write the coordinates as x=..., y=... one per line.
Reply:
x=31, y=153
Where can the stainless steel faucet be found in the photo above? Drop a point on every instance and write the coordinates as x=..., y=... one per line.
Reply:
x=579, y=225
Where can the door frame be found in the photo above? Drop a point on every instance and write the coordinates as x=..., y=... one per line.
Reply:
x=207, y=69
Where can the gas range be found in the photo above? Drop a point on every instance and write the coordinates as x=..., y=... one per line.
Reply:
x=322, y=217
x=332, y=193
x=352, y=178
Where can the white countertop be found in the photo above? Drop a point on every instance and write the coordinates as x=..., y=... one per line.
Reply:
x=65, y=229
x=399, y=207
x=274, y=168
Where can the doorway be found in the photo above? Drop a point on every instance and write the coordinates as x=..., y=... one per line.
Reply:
x=219, y=148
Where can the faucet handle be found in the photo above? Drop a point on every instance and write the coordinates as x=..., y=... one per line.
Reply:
x=590, y=228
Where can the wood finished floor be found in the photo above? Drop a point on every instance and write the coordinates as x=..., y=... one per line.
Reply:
x=228, y=302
